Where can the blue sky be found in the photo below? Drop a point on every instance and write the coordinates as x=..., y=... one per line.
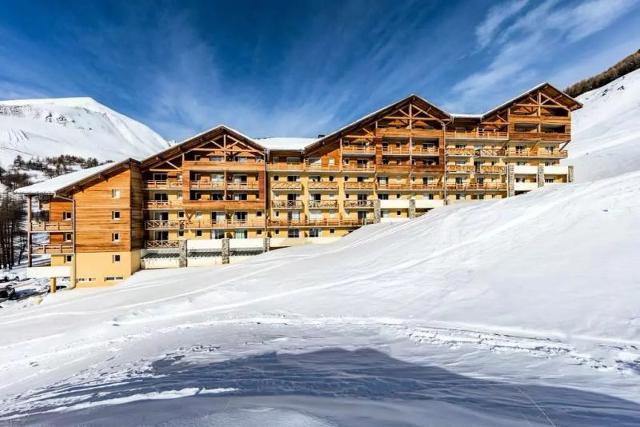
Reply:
x=299, y=68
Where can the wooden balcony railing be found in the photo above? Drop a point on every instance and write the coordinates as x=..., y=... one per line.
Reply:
x=426, y=187
x=154, y=224
x=51, y=226
x=163, y=204
x=162, y=244
x=460, y=168
x=359, y=204
x=169, y=184
x=460, y=151
x=64, y=248
x=350, y=186
x=158, y=224
x=286, y=166
x=359, y=149
x=287, y=204
x=320, y=167
x=243, y=186
x=556, y=154
x=397, y=151
x=477, y=134
x=358, y=167
x=422, y=151
x=323, y=185
x=496, y=186
x=323, y=204
x=207, y=185
x=321, y=222
x=545, y=136
x=492, y=169
x=286, y=186
x=490, y=152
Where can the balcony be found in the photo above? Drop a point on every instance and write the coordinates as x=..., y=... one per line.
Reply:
x=477, y=134
x=544, y=136
x=162, y=244
x=358, y=150
x=286, y=186
x=491, y=170
x=243, y=186
x=426, y=187
x=403, y=150
x=317, y=166
x=460, y=168
x=207, y=185
x=286, y=166
x=460, y=152
x=63, y=248
x=51, y=226
x=319, y=222
x=359, y=204
x=488, y=186
x=358, y=167
x=490, y=152
x=287, y=204
x=163, y=204
x=323, y=185
x=215, y=165
x=403, y=168
x=168, y=184
x=382, y=186
x=323, y=204
x=158, y=224
x=359, y=186
x=540, y=153
x=425, y=151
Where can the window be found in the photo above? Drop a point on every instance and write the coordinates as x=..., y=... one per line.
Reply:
x=115, y=258
x=115, y=215
x=458, y=197
x=549, y=180
x=430, y=196
x=398, y=213
x=314, y=232
x=66, y=215
x=198, y=233
x=115, y=193
x=68, y=258
x=332, y=231
x=115, y=237
x=196, y=157
x=293, y=233
x=181, y=214
x=67, y=237
x=276, y=178
x=112, y=278
x=293, y=178
x=240, y=234
x=218, y=234
x=383, y=196
x=180, y=233
x=259, y=213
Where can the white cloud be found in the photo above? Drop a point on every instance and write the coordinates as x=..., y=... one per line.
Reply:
x=531, y=40
x=496, y=16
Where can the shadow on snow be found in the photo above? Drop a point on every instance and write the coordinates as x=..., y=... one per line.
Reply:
x=318, y=383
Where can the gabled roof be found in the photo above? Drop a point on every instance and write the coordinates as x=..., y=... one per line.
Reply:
x=198, y=139
x=65, y=183
x=363, y=121
x=573, y=104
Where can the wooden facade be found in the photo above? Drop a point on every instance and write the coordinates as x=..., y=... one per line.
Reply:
x=397, y=163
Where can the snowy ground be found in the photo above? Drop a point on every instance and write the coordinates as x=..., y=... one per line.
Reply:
x=457, y=314
x=522, y=311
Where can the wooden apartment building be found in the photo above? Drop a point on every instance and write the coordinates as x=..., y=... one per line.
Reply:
x=221, y=195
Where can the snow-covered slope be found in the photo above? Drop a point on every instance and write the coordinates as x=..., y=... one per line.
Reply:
x=606, y=131
x=544, y=280
x=78, y=126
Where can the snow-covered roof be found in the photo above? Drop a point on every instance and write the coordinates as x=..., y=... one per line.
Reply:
x=59, y=183
x=285, y=143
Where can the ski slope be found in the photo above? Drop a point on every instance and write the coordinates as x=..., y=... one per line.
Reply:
x=78, y=126
x=606, y=131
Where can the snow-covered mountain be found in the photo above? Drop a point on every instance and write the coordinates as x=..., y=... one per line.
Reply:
x=78, y=126
x=606, y=131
